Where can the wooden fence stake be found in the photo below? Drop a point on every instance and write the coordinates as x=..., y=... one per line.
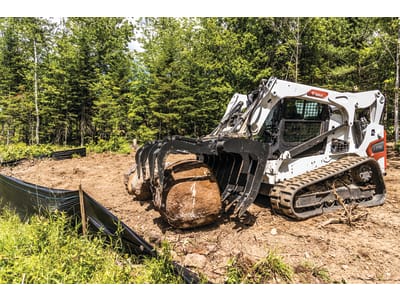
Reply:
x=83, y=213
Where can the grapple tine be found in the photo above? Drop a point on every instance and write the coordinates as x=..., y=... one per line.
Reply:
x=144, y=155
x=254, y=156
x=252, y=186
x=138, y=161
x=152, y=158
x=233, y=177
x=241, y=181
x=227, y=167
x=220, y=166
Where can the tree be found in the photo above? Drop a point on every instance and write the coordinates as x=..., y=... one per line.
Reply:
x=396, y=88
x=101, y=67
x=25, y=46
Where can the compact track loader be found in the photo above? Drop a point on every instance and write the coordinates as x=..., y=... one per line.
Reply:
x=306, y=148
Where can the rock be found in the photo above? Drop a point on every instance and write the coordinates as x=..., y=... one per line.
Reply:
x=191, y=195
x=344, y=267
x=274, y=231
x=195, y=260
x=306, y=255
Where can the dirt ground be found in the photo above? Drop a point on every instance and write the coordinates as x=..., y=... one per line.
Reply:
x=367, y=252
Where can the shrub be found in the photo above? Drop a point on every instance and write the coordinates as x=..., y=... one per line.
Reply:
x=115, y=144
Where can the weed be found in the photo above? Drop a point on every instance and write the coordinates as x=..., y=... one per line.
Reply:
x=237, y=269
x=309, y=271
x=269, y=269
x=272, y=267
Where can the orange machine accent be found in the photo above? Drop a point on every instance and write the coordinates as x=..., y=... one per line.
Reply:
x=378, y=153
x=317, y=93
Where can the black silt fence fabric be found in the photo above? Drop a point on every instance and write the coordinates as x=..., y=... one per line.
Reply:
x=66, y=154
x=28, y=199
x=57, y=155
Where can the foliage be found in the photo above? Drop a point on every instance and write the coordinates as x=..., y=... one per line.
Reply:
x=92, y=87
x=269, y=269
x=115, y=144
x=21, y=150
x=50, y=250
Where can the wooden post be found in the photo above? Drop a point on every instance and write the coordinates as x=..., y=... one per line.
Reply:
x=83, y=213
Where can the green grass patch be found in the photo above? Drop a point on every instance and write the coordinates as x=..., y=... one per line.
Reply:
x=270, y=269
x=50, y=250
x=309, y=273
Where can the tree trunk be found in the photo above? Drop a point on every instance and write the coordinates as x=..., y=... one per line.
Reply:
x=36, y=93
x=65, y=134
x=297, y=50
x=82, y=134
x=396, y=89
x=8, y=135
x=82, y=126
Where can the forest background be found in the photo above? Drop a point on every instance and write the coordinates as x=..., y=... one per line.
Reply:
x=82, y=80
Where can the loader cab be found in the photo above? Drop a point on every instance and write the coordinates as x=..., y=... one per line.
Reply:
x=292, y=122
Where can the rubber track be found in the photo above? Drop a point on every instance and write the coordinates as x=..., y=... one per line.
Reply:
x=283, y=193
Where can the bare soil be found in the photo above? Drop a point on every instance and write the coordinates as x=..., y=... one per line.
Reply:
x=366, y=252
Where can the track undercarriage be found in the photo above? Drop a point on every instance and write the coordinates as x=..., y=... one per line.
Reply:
x=351, y=179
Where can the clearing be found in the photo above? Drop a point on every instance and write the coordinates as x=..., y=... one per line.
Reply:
x=366, y=252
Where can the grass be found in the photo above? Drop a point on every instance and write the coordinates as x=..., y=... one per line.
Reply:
x=270, y=269
x=50, y=250
x=309, y=272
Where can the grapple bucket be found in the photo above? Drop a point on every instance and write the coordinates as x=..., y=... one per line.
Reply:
x=227, y=173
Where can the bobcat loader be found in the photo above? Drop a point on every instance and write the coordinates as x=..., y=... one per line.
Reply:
x=310, y=150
